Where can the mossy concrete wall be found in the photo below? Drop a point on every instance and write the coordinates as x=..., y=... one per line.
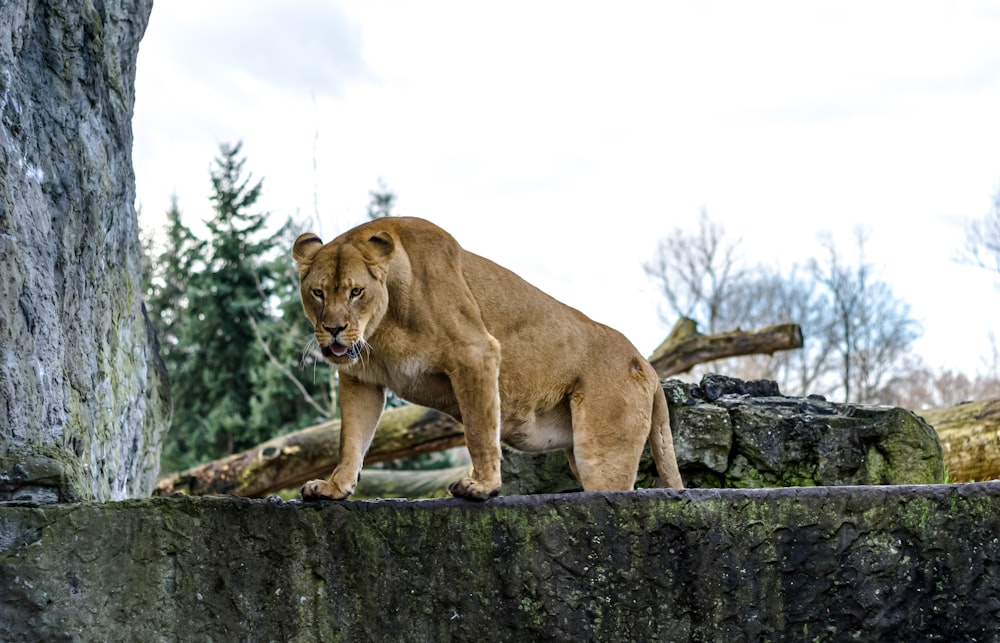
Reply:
x=827, y=564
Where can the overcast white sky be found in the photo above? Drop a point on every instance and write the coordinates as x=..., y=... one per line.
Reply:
x=563, y=139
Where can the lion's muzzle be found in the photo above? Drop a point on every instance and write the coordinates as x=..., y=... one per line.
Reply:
x=339, y=346
x=337, y=349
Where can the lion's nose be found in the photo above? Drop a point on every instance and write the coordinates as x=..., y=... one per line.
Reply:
x=334, y=331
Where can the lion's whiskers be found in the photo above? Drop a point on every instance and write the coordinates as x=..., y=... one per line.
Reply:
x=311, y=353
x=310, y=349
x=365, y=351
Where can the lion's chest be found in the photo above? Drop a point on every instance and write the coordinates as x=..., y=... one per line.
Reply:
x=412, y=380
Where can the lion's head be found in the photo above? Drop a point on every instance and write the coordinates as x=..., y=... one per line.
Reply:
x=343, y=288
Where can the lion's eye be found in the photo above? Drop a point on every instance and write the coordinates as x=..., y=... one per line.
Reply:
x=356, y=292
x=317, y=293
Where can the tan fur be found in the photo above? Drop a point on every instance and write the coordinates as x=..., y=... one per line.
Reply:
x=409, y=310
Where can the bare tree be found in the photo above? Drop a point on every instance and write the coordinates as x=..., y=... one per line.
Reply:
x=855, y=331
x=696, y=272
x=918, y=387
x=768, y=296
x=701, y=278
x=871, y=329
x=982, y=239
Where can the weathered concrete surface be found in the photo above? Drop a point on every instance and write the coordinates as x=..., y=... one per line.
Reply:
x=83, y=405
x=902, y=563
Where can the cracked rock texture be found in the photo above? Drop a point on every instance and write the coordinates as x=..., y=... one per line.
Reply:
x=731, y=433
x=83, y=404
x=900, y=563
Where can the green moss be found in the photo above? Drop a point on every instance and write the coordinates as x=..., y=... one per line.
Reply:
x=533, y=610
x=44, y=466
x=876, y=467
x=920, y=514
x=907, y=449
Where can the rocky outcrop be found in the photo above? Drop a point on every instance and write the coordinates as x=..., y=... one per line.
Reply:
x=901, y=563
x=746, y=434
x=83, y=406
x=730, y=433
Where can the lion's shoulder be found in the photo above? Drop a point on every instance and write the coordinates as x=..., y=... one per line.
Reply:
x=417, y=238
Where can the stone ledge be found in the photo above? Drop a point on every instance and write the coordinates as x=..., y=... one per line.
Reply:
x=825, y=563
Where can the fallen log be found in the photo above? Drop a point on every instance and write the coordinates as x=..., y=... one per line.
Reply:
x=291, y=460
x=685, y=348
x=970, y=437
x=425, y=483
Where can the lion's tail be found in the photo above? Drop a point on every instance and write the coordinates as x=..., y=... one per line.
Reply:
x=661, y=442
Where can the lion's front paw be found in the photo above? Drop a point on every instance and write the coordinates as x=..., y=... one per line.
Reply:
x=323, y=490
x=473, y=489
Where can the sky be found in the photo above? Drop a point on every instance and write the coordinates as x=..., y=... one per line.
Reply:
x=564, y=139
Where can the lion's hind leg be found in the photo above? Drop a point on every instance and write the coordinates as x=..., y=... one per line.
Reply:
x=571, y=458
x=609, y=433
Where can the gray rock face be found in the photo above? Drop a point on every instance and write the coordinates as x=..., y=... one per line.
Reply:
x=83, y=406
x=746, y=434
x=900, y=563
x=731, y=433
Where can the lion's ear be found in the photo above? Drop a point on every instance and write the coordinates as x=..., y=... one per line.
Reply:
x=381, y=245
x=305, y=248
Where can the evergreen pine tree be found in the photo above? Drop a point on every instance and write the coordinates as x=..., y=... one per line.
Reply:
x=213, y=375
x=240, y=353
x=381, y=201
x=165, y=277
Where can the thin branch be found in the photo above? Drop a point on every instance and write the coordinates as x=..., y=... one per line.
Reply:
x=324, y=412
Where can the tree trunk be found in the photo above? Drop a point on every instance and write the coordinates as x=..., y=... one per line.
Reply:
x=83, y=398
x=685, y=347
x=291, y=460
x=426, y=483
x=970, y=437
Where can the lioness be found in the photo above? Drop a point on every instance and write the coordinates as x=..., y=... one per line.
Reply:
x=398, y=304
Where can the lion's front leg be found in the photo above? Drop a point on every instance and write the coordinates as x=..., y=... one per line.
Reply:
x=361, y=407
x=477, y=390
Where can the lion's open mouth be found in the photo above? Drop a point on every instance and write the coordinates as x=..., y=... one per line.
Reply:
x=339, y=350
